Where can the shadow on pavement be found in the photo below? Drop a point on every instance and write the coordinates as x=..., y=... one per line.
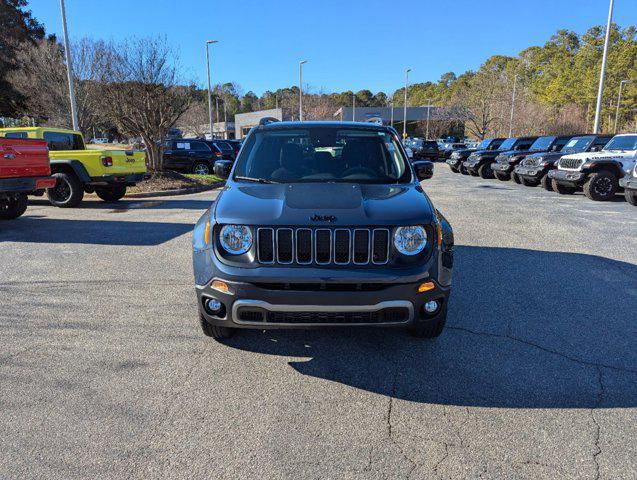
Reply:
x=156, y=203
x=95, y=232
x=526, y=329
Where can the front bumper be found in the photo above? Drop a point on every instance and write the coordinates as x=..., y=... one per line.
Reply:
x=534, y=173
x=471, y=165
x=454, y=162
x=502, y=167
x=272, y=306
x=628, y=183
x=568, y=177
x=128, y=180
x=25, y=184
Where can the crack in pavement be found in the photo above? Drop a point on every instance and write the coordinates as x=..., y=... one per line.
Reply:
x=544, y=349
x=389, y=425
x=600, y=398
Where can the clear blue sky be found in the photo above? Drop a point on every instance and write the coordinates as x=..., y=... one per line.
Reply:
x=349, y=44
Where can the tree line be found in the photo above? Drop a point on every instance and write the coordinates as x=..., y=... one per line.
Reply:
x=134, y=88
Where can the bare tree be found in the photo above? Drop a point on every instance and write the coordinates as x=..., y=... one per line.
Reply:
x=42, y=81
x=141, y=92
x=195, y=120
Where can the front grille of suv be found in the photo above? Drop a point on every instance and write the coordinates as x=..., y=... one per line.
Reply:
x=571, y=162
x=323, y=246
x=532, y=162
x=502, y=159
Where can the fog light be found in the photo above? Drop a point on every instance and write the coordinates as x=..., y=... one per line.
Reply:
x=431, y=306
x=213, y=305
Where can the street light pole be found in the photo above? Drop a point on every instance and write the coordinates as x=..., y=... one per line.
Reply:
x=427, y=130
x=619, y=99
x=405, y=107
x=600, y=90
x=69, y=67
x=353, y=107
x=301, y=89
x=209, y=86
x=515, y=81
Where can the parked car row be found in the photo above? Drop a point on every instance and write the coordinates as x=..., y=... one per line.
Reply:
x=198, y=155
x=432, y=150
x=600, y=165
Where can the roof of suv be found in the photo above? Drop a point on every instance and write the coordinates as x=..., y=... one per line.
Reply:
x=315, y=124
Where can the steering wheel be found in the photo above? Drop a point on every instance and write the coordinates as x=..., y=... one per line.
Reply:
x=359, y=169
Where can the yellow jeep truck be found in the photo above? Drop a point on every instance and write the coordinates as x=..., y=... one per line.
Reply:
x=77, y=169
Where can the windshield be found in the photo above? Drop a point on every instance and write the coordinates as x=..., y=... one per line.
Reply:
x=542, y=144
x=625, y=142
x=322, y=154
x=578, y=144
x=508, y=144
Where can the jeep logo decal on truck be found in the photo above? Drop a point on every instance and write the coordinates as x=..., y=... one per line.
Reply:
x=322, y=218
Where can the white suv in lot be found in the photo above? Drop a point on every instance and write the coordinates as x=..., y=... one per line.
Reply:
x=597, y=173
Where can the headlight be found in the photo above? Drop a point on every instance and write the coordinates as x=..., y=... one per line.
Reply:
x=236, y=239
x=410, y=240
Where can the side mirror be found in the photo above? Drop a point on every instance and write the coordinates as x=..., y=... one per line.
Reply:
x=424, y=169
x=596, y=148
x=222, y=168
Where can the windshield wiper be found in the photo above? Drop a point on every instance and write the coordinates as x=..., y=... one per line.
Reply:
x=253, y=179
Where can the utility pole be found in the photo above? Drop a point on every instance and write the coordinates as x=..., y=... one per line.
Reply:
x=69, y=67
x=405, y=107
x=600, y=90
x=353, y=107
x=619, y=99
x=301, y=89
x=427, y=130
x=209, y=86
x=515, y=81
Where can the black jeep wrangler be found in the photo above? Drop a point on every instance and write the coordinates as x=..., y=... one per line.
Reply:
x=457, y=157
x=479, y=163
x=322, y=224
x=533, y=169
x=505, y=163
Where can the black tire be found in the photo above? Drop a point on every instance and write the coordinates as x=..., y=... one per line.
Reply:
x=516, y=178
x=111, y=194
x=562, y=189
x=546, y=183
x=528, y=183
x=474, y=173
x=68, y=191
x=601, y=186
x=12, y=208
x=631, y=197
x=201, y=168
x=218, y=333
x=464, y=170
x=485, y=171
x=430, y=329
x=454, y=169
x=503, y=177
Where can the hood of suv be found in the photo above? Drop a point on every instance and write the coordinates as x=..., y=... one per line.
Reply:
x=331, y=204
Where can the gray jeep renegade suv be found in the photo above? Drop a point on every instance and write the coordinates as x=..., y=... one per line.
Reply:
x=322, y=224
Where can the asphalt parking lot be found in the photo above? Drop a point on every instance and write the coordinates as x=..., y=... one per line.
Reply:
x=104, y=372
